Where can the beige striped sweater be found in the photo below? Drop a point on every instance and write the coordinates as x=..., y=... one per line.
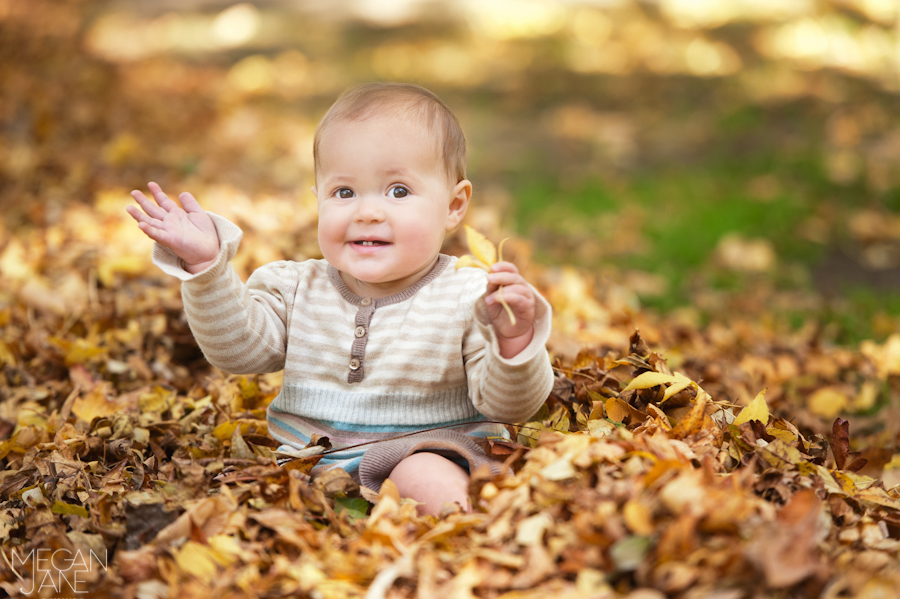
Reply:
x=357, y=368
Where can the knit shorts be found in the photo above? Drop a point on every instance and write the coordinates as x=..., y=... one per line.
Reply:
x=378, y=461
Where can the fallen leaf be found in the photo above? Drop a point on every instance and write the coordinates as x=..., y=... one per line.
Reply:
x=757, y=410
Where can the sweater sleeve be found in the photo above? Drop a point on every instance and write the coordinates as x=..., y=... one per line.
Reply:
x=506, y=389
x=241, y=328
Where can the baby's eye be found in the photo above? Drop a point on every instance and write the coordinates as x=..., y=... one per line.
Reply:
x=344, y=193
x=398, y=192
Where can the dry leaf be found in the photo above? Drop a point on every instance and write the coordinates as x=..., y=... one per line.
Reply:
x=485, y=256
x=757, y=410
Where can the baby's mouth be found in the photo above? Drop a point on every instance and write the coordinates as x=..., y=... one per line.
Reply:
x=370, y=243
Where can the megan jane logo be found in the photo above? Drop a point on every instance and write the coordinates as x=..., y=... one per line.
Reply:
x=62, y=571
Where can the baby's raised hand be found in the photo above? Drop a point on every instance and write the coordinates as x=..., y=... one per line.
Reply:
x=512, y=337
x=188, y=231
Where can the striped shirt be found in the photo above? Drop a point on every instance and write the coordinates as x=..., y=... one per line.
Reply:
x=363, y=369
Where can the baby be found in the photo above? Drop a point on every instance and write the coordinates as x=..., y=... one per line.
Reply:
x=383, y=336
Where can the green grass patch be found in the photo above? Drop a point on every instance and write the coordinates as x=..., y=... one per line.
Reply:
x=683, y=216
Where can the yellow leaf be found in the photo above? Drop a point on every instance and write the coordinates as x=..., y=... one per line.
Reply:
x=500, y=249
x=14, y=263
x=96, y=403
x=828, y=402
x=31, y=413
x=6, y=356
x=129, y=265
x=530, y=531
x=615, y=410
x=678, y=386
x=885, y=357
x=239, y=447
x=694, y=421
x=651, y=379
x=757, y=410
x=509, y=312
x=80, y=351
x=195, y=559
x=868, y=394
x=660, y=416
x=485, y=256
x=61, y=507
x=248, y=427
x=600, y=428
x=780, y=455
x=480, y=246
x=828, y=480
x=389, y=489
x=637, y=518
x=156, y=402
x=848, y=485
x=779, y=433
x=469, y=261
x=878, y=496
x=561, y=469
x=225, y=549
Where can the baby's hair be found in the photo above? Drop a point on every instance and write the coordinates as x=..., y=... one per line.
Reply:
x=362, y=102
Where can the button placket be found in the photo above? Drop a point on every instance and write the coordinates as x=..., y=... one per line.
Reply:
x=358, y=348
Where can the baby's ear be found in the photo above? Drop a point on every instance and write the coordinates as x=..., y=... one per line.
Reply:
x=313, y=189
x=459, y=203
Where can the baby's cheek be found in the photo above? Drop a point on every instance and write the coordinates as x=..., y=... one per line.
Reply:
x=426, y=237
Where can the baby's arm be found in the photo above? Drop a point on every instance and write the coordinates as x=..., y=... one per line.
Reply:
x=507, y=366
x=241, y=328
x=512, y=337
x=188, y=231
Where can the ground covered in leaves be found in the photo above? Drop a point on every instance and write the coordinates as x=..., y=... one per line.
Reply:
x=679, y=461
x=730, y=457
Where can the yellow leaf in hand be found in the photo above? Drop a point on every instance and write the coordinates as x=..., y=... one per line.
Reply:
x=757, y=410
x=485, y=254
x=509, y=312
x=500, y=249
x=480, y=246
x=469, y=260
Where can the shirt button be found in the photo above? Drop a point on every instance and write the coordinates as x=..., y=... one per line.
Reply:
x=360, y=331
x=366, y=301
x=354, y=364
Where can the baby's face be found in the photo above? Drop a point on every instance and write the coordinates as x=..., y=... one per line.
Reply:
x=385, y=202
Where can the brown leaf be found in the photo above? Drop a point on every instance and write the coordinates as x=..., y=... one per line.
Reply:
x=840, y=447
x=637, y=345
x=786, y=550
x=335, y=482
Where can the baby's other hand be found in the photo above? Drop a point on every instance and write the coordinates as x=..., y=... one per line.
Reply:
x=188, y=231
x=517, y=294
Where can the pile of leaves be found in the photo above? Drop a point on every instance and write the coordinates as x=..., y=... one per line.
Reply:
x=688, y=460
x=123, y=446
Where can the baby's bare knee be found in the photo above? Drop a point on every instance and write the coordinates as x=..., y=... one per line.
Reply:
x=431, y=480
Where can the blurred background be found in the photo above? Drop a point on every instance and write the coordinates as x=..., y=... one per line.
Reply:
x=699, y=158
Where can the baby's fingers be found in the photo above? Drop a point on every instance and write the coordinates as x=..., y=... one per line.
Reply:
x=156, y=234
x=504, y=267
x=140, y=217
x=161, y=198
x=147, y=206
x=189, y=203
x=517, y=297
x=505, y=278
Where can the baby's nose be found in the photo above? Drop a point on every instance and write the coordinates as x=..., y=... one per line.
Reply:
x=369, y=209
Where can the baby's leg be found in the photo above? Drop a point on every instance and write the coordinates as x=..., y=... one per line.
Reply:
x=432, y=480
